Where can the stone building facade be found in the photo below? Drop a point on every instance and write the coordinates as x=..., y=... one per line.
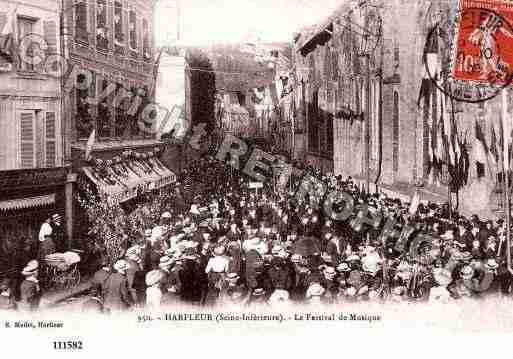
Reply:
x=32, y=173
x=112, y=60
x=372, y=122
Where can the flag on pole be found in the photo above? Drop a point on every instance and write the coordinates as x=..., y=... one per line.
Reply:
x=415, y=201
x=90, y=144
x=156, y=69
x=482, y=146
x=274, y=93
x=7, y=46
x=480, y=150
x=9, y=25
x=494, y=144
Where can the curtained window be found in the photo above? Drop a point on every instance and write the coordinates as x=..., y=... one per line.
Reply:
x=132, y=30
x=102, y=38
x=84, y=119
x=119, y=36
x=146, y=41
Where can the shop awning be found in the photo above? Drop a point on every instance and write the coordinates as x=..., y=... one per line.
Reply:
x=124, y=181
x=30, y=202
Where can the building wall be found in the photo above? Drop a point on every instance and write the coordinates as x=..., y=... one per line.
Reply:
x=396, y=75
x=32, y=91
x=130, y=68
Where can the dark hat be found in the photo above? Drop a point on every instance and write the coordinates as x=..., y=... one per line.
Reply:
x=4, y=285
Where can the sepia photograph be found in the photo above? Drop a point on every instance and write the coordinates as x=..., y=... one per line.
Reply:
x=223, y=166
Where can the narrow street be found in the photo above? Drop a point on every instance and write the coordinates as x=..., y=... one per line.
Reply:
x=170, y=154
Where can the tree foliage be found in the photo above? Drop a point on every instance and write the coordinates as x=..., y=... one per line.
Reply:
x=112, y=227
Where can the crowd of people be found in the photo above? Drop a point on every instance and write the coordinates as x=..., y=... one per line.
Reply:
x=221, y=243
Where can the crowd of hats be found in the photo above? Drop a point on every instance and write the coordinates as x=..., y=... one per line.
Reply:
x=288, y=250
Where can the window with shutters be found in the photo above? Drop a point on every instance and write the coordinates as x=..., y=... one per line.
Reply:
x=50, y=35
x=132, y=30
x=27, y=139
x=81, y=33
x=119, y=36
x=50, y=139
x=25, y=28
x=102, y=38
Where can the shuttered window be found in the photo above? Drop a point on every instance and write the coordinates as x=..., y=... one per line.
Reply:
x=50, y=35
x=81, y=33
x=27, y=139
x=50, y=139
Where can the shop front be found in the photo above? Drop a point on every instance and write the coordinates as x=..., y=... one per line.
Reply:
x=125, y=175
x=27, y=198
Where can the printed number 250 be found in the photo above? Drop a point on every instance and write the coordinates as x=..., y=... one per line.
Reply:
x=67, y=345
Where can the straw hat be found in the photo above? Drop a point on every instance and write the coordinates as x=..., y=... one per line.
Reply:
x=232, y=276
x=442, y=277
x=121, y=265
x=153, y=277
x=258, y=292
x=330, y=271
x=315, y=290
x=56, y=218
x=343, y=267
x=133, y=251
x=190, y=244
x=279, y=295
x=165, y=262
x=31, y=268
x=166, y=215
x=491, y=264
x=277, y=249
x=467, y=272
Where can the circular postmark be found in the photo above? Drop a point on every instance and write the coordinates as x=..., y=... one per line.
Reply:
x=468, y=57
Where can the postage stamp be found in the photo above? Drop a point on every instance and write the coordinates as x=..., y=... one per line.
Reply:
x=476, y=43
x=484, y=42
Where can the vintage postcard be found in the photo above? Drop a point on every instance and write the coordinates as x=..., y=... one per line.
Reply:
x=184, y=173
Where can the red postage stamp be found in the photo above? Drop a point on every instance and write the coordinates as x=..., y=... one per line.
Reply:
x=484, y=42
